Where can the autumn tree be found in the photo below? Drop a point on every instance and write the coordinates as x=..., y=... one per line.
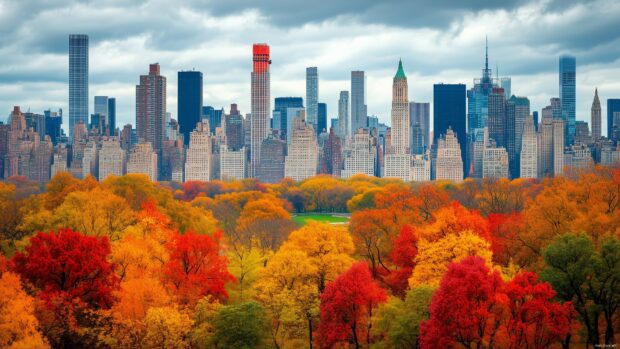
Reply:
x=454, y=219
x=433, y=258
x=196, y=267
x=242, y=326
x=18, y=323
x=402, y=256
x=72, y=274
x=399, y=320
x=205, y=313
x=464, y=310
x=297, y=274
x=11, y=215
x=166, y=327
x=588, y=278
x=347, y=307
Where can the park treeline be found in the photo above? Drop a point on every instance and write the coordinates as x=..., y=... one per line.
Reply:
x=130, y=263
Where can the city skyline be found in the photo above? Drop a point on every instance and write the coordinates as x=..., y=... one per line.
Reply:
x=117, y=61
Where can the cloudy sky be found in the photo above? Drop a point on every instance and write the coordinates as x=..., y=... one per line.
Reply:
x=438, y=41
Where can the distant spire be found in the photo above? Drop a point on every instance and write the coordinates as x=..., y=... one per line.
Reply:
x=486, y=54
x=400, y=73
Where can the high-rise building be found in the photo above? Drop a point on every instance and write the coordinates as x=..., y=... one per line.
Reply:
x=90, y=159
x=506, y=84
x=359, y=111
x=331, y=161
x=449, y=163
x=101, y=109
x=143, y=160
x=497, y=117
x=111, y=159
x=78, y=81
x=282, y=105
x=59, y=160
x=400, y=113
x=494, y=162
x=260, y=103
x=595, y=117
x=613, y=106
x=558, y=147
x=322, y=118
x=582, y=133
x=232, y=163
x=198, y=160
x=578, y=158
x=214, y=116
x=172, y=160
x=53, y=125
x=420, y=114
x=568, y=70
x=271, y=169
x=303, y=152
x=449, y=113
x=478, y=98
x=517, y=110
x=397, y=166
x=312, y=97
x=360, y=156
x=343, y=115
x=529, y=148
x=421, y=167
x=151, y=108
x=189, y=101
x=233, y=128
x=112, y=116
x=545, y=143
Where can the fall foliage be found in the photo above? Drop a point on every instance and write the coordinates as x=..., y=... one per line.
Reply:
x=130, y=263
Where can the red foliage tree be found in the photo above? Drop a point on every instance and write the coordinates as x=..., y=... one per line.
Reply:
x=346, y=307
x=505, y=230
x=69, y=265
x=196, y=267
x=465, y=310
x=403, y=253
x=475, y=308
x=533, y=320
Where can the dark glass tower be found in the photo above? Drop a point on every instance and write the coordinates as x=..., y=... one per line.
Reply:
x=322, y=118
x=281, y=105
x=189, y=103
x=568, y=70
x=78, y=81
x=449, y=111
x=112, y=115
x=613, y=131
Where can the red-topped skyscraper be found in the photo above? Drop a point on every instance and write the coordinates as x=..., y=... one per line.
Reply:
x=260, y=104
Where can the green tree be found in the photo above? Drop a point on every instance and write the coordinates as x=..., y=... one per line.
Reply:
x=588, y=278
x=241, y=326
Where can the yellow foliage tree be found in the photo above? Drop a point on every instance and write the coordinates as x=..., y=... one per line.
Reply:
x=166, y=327
x=434, y=257
x=18, y=325
x=97, y=212
x=137, y=295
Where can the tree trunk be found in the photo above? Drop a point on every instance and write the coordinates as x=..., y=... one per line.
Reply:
x=310, y=331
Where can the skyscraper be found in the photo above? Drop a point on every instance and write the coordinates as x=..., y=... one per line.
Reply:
x=143, y=160
x=419, y=114
x=545, y=143
x=558, y=146
x=303, y=151
x=101, y=108
x=198, y=160
x=322, y=118
x=343, y=115
x=529, y=148
x=568, y=70
x=449, y=113
x=260, y=103
x=151, y=108
x=613, y=107
x=478, y=98
x=312, y=97
x=359, y=111
x=112, y=116
x=360, y=156
x=497, y=116
x=282, y=104
x=595, y=114
x=400, y=112
x=233, y=128
x=517, y=111
x=78, y=80
x=189, y=102
x=449, y=163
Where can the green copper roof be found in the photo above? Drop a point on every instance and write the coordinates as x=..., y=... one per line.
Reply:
x=400, y=73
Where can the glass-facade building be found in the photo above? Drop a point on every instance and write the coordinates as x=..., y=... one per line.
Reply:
x=281, y=105
x=568, y=69
x=613, y=130
x=449, y=111
x=189, y=102
x=312, y=97
x=214, y=116
x=322, y=118
x=78, y=81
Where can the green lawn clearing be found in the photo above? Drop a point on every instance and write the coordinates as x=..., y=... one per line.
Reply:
x=301, y=219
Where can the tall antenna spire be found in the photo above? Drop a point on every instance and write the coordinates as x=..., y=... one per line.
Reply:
x=486, y=55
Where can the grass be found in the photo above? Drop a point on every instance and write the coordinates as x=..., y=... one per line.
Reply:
x=302, y=219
